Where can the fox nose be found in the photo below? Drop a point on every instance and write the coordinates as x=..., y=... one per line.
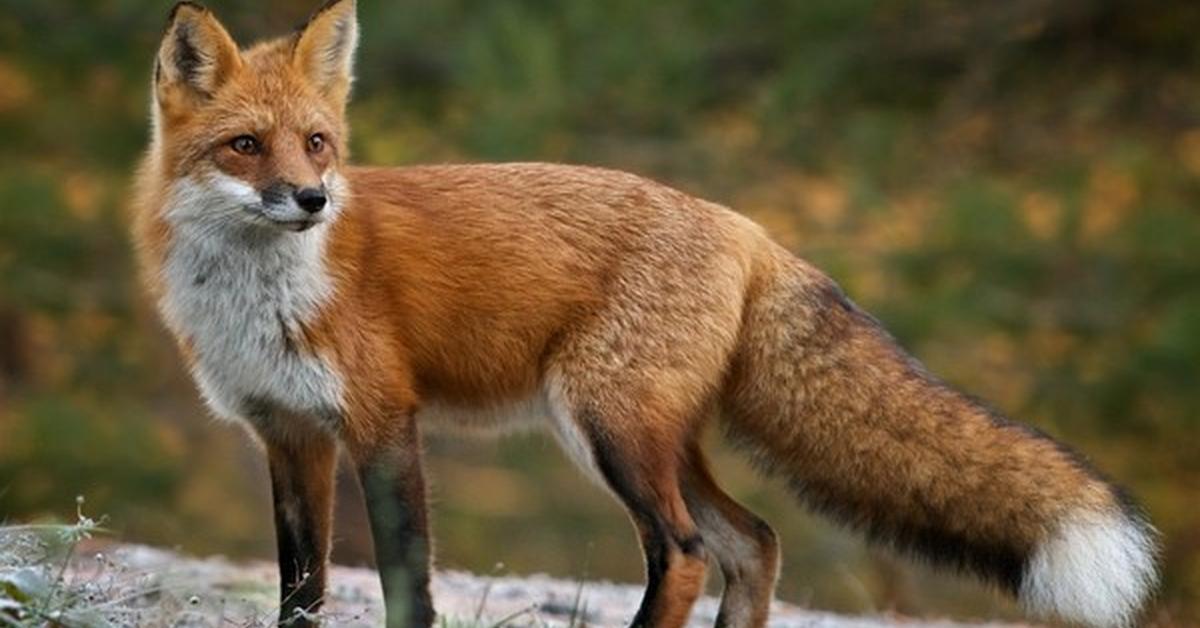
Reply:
x=311, y=200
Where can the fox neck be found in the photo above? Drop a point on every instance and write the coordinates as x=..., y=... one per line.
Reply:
x=212, y=254
x=242, y=296
x=252, y=265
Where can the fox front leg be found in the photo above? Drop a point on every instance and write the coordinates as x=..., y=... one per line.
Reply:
x=394, y=487
x=302, y=473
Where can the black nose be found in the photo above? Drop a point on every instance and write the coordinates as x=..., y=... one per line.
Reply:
x=311, y=200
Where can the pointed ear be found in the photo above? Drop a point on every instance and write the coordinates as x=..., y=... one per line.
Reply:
x=196, y=56
x=324, y=51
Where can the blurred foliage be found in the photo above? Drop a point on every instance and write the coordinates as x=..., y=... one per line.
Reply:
x=1011, y=186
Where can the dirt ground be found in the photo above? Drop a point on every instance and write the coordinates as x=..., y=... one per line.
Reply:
x=217, y=592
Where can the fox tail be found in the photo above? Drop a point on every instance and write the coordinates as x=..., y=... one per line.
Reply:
x=823, y=396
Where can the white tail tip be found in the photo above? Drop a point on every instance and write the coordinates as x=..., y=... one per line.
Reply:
x=1097, y=569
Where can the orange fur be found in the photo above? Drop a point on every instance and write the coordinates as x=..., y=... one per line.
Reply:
x=629, y=312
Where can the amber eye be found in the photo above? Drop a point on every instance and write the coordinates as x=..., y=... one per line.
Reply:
x=246, y=145
x=316, y=143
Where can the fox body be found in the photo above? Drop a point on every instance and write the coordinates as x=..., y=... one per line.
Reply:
x=330, y=306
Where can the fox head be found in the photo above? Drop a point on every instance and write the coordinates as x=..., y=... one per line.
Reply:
x=253, y=138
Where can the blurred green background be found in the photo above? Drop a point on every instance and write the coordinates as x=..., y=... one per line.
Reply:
x=1013, y=187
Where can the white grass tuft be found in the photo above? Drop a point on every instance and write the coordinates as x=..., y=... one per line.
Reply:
x=1097, y=569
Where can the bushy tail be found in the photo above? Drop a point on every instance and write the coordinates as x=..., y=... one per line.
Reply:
x=824, y=396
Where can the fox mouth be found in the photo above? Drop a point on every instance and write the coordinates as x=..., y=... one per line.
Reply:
x=296, y=225
x=288, y=224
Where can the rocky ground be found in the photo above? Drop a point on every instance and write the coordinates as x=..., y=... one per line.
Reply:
x=164, y=588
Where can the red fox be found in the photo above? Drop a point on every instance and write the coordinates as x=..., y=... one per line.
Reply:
x=324, y=306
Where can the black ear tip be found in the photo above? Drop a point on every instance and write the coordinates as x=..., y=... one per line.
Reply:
x=329, y=4
x=184, y=5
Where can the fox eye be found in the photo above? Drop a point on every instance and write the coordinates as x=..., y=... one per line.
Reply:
x=246, y=145
x=316, y=143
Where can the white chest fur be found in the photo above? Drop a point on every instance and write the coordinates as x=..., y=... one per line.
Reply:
x=241, y=297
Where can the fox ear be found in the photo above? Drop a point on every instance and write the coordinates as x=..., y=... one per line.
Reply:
x=324, y=51
x=196, y=56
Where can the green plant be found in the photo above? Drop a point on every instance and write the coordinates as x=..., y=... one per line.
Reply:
x=35, y=589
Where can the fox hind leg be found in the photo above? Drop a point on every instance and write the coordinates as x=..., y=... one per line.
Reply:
x=644, y=475
x=745, y=546
x=628, y=384
x=673, y=548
